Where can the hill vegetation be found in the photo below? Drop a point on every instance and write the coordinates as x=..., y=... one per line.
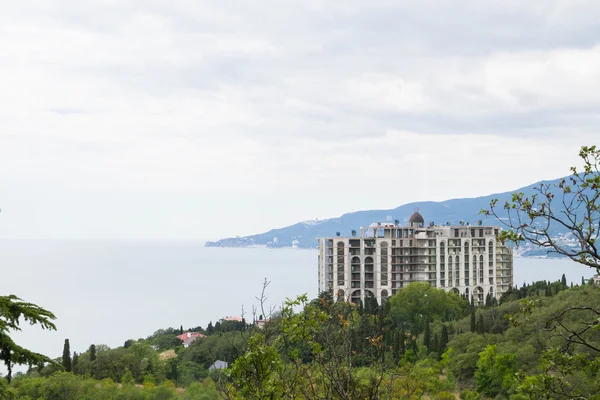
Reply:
x=406, y=348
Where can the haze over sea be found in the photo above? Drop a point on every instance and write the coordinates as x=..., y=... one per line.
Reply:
x=106, y=292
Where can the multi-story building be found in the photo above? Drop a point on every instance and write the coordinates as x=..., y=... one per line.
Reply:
x=385, y=257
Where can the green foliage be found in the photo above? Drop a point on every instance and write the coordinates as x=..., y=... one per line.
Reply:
x=411, y=305
x=12, y=311
x=92, y=352
x=495, y=372
x=66, y=357
x=127, y=379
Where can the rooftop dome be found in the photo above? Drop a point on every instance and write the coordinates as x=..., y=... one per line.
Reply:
x=416, y=218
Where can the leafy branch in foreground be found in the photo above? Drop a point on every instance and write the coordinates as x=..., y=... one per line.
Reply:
x=13, y=310
x=571, y=204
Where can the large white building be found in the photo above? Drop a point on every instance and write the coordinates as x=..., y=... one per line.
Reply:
x=384, y=258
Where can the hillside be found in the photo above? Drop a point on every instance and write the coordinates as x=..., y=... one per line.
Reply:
x=304, y=234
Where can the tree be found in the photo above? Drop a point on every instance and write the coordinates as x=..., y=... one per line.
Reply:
x=210, y=329
x=473, y=325
x=563, y=280
x=444, y=339
x=402, y=342
x=75, y=361
x=180, y=329
x=92, y=353
x=419, y=299
x=572, y=204
x=495, y=373
x=480, y=325
x=13, y=311
x=66, y=357
x=427, y=335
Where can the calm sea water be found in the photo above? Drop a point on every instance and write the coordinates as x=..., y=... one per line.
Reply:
x=106, y=292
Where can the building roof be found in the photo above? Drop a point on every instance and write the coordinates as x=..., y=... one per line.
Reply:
x=219, y=365
x=416, y=218
x=187, y=335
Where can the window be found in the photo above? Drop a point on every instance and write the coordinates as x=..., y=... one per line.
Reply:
x=341, y=267
x=384, y=263
x=480, y=269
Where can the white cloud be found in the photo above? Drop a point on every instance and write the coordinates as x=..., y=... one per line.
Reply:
x=197, y=119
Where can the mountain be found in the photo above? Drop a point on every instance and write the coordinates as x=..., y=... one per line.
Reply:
x=305, y=234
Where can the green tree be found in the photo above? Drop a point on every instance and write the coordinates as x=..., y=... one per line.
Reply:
x=75, y=361
x=495, y=373
x=473, y=324
x=419, y=299
x=92, y=353
x=427, y=335
x=13, y=310
x=563, y=280
x=435, y=344
x=66, y=357
x=444, y=339
x=480, y=325
x=127, y=379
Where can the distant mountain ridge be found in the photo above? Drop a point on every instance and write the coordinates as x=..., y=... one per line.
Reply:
x=305, y=234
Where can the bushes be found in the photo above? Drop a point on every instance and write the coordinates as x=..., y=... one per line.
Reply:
x=67, y=386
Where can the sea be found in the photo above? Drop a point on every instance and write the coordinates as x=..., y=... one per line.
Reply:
x=106, y=292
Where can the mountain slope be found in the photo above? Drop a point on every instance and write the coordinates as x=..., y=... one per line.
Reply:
x=304, y=234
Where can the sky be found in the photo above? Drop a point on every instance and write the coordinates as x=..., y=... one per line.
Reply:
x=189, y=119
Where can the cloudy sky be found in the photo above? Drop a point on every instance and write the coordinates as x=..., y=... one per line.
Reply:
x=202, y=119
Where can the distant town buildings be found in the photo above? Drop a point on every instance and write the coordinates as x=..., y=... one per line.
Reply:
x=596, y=280
x=384, y=258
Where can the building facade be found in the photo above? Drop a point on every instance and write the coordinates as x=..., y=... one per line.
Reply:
x=384, y=258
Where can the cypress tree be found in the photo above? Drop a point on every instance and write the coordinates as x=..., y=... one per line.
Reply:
x=563, y=280
x=435, y=345
x=427, y=335
x=473, y=326
x=480, y=326
x=66, y=357
x=75, y=361
x=180, y=329
x=210, y=329
x=396, y=346
x=444, y=339
x=92, y=353
x=401, y=343
x=582, y=281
